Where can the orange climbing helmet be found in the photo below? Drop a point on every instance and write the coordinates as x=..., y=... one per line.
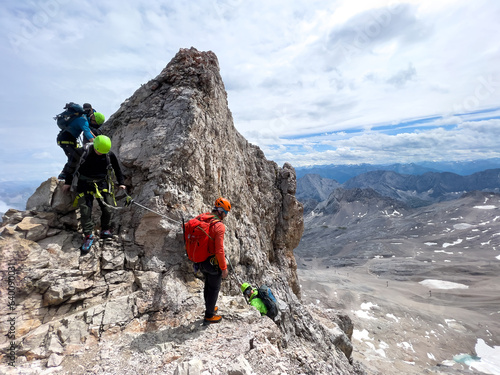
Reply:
x=223, y=203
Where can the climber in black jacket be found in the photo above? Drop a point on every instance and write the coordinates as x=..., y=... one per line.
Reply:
x=91, y=177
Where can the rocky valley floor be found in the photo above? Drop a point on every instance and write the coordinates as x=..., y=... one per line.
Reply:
x=422, y=286
x=423, y=289
x=402, y=328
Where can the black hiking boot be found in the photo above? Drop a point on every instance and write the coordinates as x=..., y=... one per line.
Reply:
x=105, y=234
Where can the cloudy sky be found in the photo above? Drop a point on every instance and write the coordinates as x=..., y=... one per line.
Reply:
x=310, y=82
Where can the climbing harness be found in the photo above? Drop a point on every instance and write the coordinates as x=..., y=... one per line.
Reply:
x=83, y=157
x=68, y=143
x=128, y=201
x=97, y=194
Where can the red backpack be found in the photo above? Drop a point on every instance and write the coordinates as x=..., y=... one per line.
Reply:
x=196, y=237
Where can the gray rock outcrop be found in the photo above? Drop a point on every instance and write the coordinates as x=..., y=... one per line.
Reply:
x=313, y=189
x=134, y=302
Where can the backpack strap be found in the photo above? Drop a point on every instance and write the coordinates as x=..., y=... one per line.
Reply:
x=109, y=178
x=212, y=222
x=76, y=173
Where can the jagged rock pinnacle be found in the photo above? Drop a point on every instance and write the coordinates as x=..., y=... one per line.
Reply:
x=180, y=151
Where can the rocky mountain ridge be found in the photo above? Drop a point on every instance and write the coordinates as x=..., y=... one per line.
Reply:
x=413, y=190
x=431, y=187
x=133, y=304
x=344, y=172
x=312, y=189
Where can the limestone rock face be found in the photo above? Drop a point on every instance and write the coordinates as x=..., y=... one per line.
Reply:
x=48, y=198
x=136, y=294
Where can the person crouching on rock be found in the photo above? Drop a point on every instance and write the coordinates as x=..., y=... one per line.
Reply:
x=91, y=178
x=251, y=294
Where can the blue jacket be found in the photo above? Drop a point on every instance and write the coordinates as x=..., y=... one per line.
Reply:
x=79, y=125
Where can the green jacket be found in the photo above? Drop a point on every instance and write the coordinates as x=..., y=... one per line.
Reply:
x=257, y=302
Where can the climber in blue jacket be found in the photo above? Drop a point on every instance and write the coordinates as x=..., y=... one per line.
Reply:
x=67, y=140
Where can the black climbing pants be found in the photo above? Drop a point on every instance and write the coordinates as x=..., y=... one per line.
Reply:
x=69, y=144
x=86, y=202
x=213, y=279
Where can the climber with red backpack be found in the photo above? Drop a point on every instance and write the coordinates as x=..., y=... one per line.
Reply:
x=204, y=240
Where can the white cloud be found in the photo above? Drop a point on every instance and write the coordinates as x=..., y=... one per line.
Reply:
x=4, y=207
x=43, y=155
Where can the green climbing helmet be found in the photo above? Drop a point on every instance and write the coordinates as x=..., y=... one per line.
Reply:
x=244, y=287
x=102, y=144
x=99, y=118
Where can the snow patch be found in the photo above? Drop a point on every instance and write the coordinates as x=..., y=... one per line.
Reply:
x=439, y=284
x=364, y=313
x=443, y=251
x=448, y=363
x=487, y=360
x=361, y=335
x=392, y=317
x=430, y=243
x=392, y=214
x=367, y=305
x=462, y=226
x=406, y=346
x=487, y=207
x=471, y=238
x=445, y=245
x=364, y=337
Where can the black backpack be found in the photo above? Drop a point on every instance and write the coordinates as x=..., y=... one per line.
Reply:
x=265, y=294
x=72, y=111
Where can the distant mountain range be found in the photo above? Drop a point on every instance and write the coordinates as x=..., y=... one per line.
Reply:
x=417, y=184
x=15, y=194
x=342, y=173
x=412, y=190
